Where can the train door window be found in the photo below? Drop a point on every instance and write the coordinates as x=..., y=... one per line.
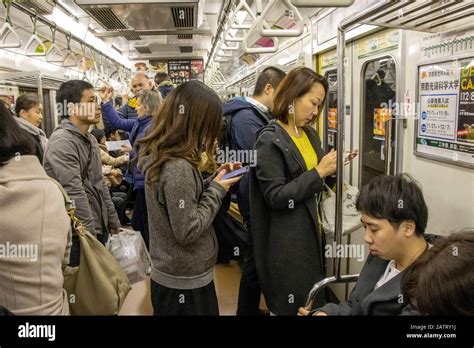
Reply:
x=330, y=113
x=379, y=83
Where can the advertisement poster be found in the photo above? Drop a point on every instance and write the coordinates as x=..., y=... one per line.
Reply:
x=196, y=70
x=179, y=71
x=381, y=115
x=466, y=103
x=159, y=65
x=445, y=127
x=332, y=119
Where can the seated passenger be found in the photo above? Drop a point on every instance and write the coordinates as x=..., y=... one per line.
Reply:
x=290, y=172
x=29, y=112
x=35, y=238
x=181, y=205
x=394, y=214
x=441, y=281
x=148, y=104
x=105, y=157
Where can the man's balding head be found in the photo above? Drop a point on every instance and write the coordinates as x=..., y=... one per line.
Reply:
x=141, y=82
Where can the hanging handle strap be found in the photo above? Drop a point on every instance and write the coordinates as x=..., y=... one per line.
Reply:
x=33, y=20
x=7, y=4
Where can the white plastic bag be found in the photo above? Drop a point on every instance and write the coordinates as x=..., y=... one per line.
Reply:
x=129, y=250
x=350, y=215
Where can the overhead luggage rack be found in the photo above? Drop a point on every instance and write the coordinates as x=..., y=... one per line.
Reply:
x=33, y=79
x=426, y=15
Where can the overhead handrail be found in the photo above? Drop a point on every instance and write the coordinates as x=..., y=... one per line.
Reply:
x=255, y=50
x=294, y=12
x=54, y=55
x=7, y=29
x=221, y=59
x=84, y=58
x=70, y=59
x=100, y=81
x=242, y=4
x=322, y=3
x=224, y=55
x=235, y=38
x=228, y=48
x=35, y=38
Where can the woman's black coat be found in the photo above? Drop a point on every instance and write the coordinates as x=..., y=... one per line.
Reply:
x=288, y=244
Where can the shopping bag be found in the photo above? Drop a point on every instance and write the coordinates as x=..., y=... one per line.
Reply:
x=350, y=215
x=129, y=249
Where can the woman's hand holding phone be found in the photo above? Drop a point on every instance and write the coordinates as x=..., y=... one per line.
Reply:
x=223, y=170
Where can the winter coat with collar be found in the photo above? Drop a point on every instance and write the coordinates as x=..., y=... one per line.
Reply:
x=137, y=128
x=66, y=157
x=364, y=300
x=288, y=242
x=37, y=136
x=165, y=88
x=33, y=215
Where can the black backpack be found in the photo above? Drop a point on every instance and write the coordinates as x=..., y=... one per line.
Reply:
x=224, y=141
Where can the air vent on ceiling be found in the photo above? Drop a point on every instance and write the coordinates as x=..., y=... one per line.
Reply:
x=185, y=36
x=143, y=49
x=132, y=37
x=183, y=17
x=43, y=7
x=186, y=49
x=106, y=17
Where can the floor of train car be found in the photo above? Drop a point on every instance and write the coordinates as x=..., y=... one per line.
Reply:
x=226, y=279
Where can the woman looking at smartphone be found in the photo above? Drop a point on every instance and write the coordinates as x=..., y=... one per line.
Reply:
x=181, y=205
x=284, y=186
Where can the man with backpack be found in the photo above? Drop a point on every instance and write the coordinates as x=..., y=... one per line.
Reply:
x=244, y=117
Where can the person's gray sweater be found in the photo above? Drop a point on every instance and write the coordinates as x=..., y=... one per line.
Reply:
x=181, y=208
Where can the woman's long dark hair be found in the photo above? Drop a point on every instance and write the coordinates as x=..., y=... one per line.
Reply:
x=13, y=140
x=188, y=123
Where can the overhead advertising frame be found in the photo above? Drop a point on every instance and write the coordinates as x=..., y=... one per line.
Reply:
x=444, y=126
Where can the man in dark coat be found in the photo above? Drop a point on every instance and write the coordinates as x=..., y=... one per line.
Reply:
x=248, y=116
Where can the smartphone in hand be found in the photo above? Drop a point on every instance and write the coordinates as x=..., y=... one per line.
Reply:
x=235, y=173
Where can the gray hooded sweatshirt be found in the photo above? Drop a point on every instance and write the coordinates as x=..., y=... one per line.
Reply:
x=65, y=160
x=181, y=208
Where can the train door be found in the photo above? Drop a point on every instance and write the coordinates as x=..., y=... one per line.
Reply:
x=376, y=78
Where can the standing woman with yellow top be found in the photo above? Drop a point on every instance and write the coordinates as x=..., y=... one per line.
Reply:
x=284, y=185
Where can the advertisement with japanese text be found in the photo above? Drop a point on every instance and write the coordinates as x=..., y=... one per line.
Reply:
x=446, y=111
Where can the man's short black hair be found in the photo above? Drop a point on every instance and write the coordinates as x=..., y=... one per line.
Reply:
x=270, y=75
x=396, y=198
x=70, y=92
x=161, y=76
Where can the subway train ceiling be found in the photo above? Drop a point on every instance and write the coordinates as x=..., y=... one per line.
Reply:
x=222, y=32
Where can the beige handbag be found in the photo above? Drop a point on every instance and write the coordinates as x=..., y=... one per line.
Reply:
x=99, y=285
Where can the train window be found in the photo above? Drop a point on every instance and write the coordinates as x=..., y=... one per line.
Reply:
x=379, y=85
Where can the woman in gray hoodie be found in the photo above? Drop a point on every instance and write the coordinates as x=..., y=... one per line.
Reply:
x=29, y=110
x=181, y=205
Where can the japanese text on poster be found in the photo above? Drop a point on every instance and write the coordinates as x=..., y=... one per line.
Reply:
x=446, y=117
